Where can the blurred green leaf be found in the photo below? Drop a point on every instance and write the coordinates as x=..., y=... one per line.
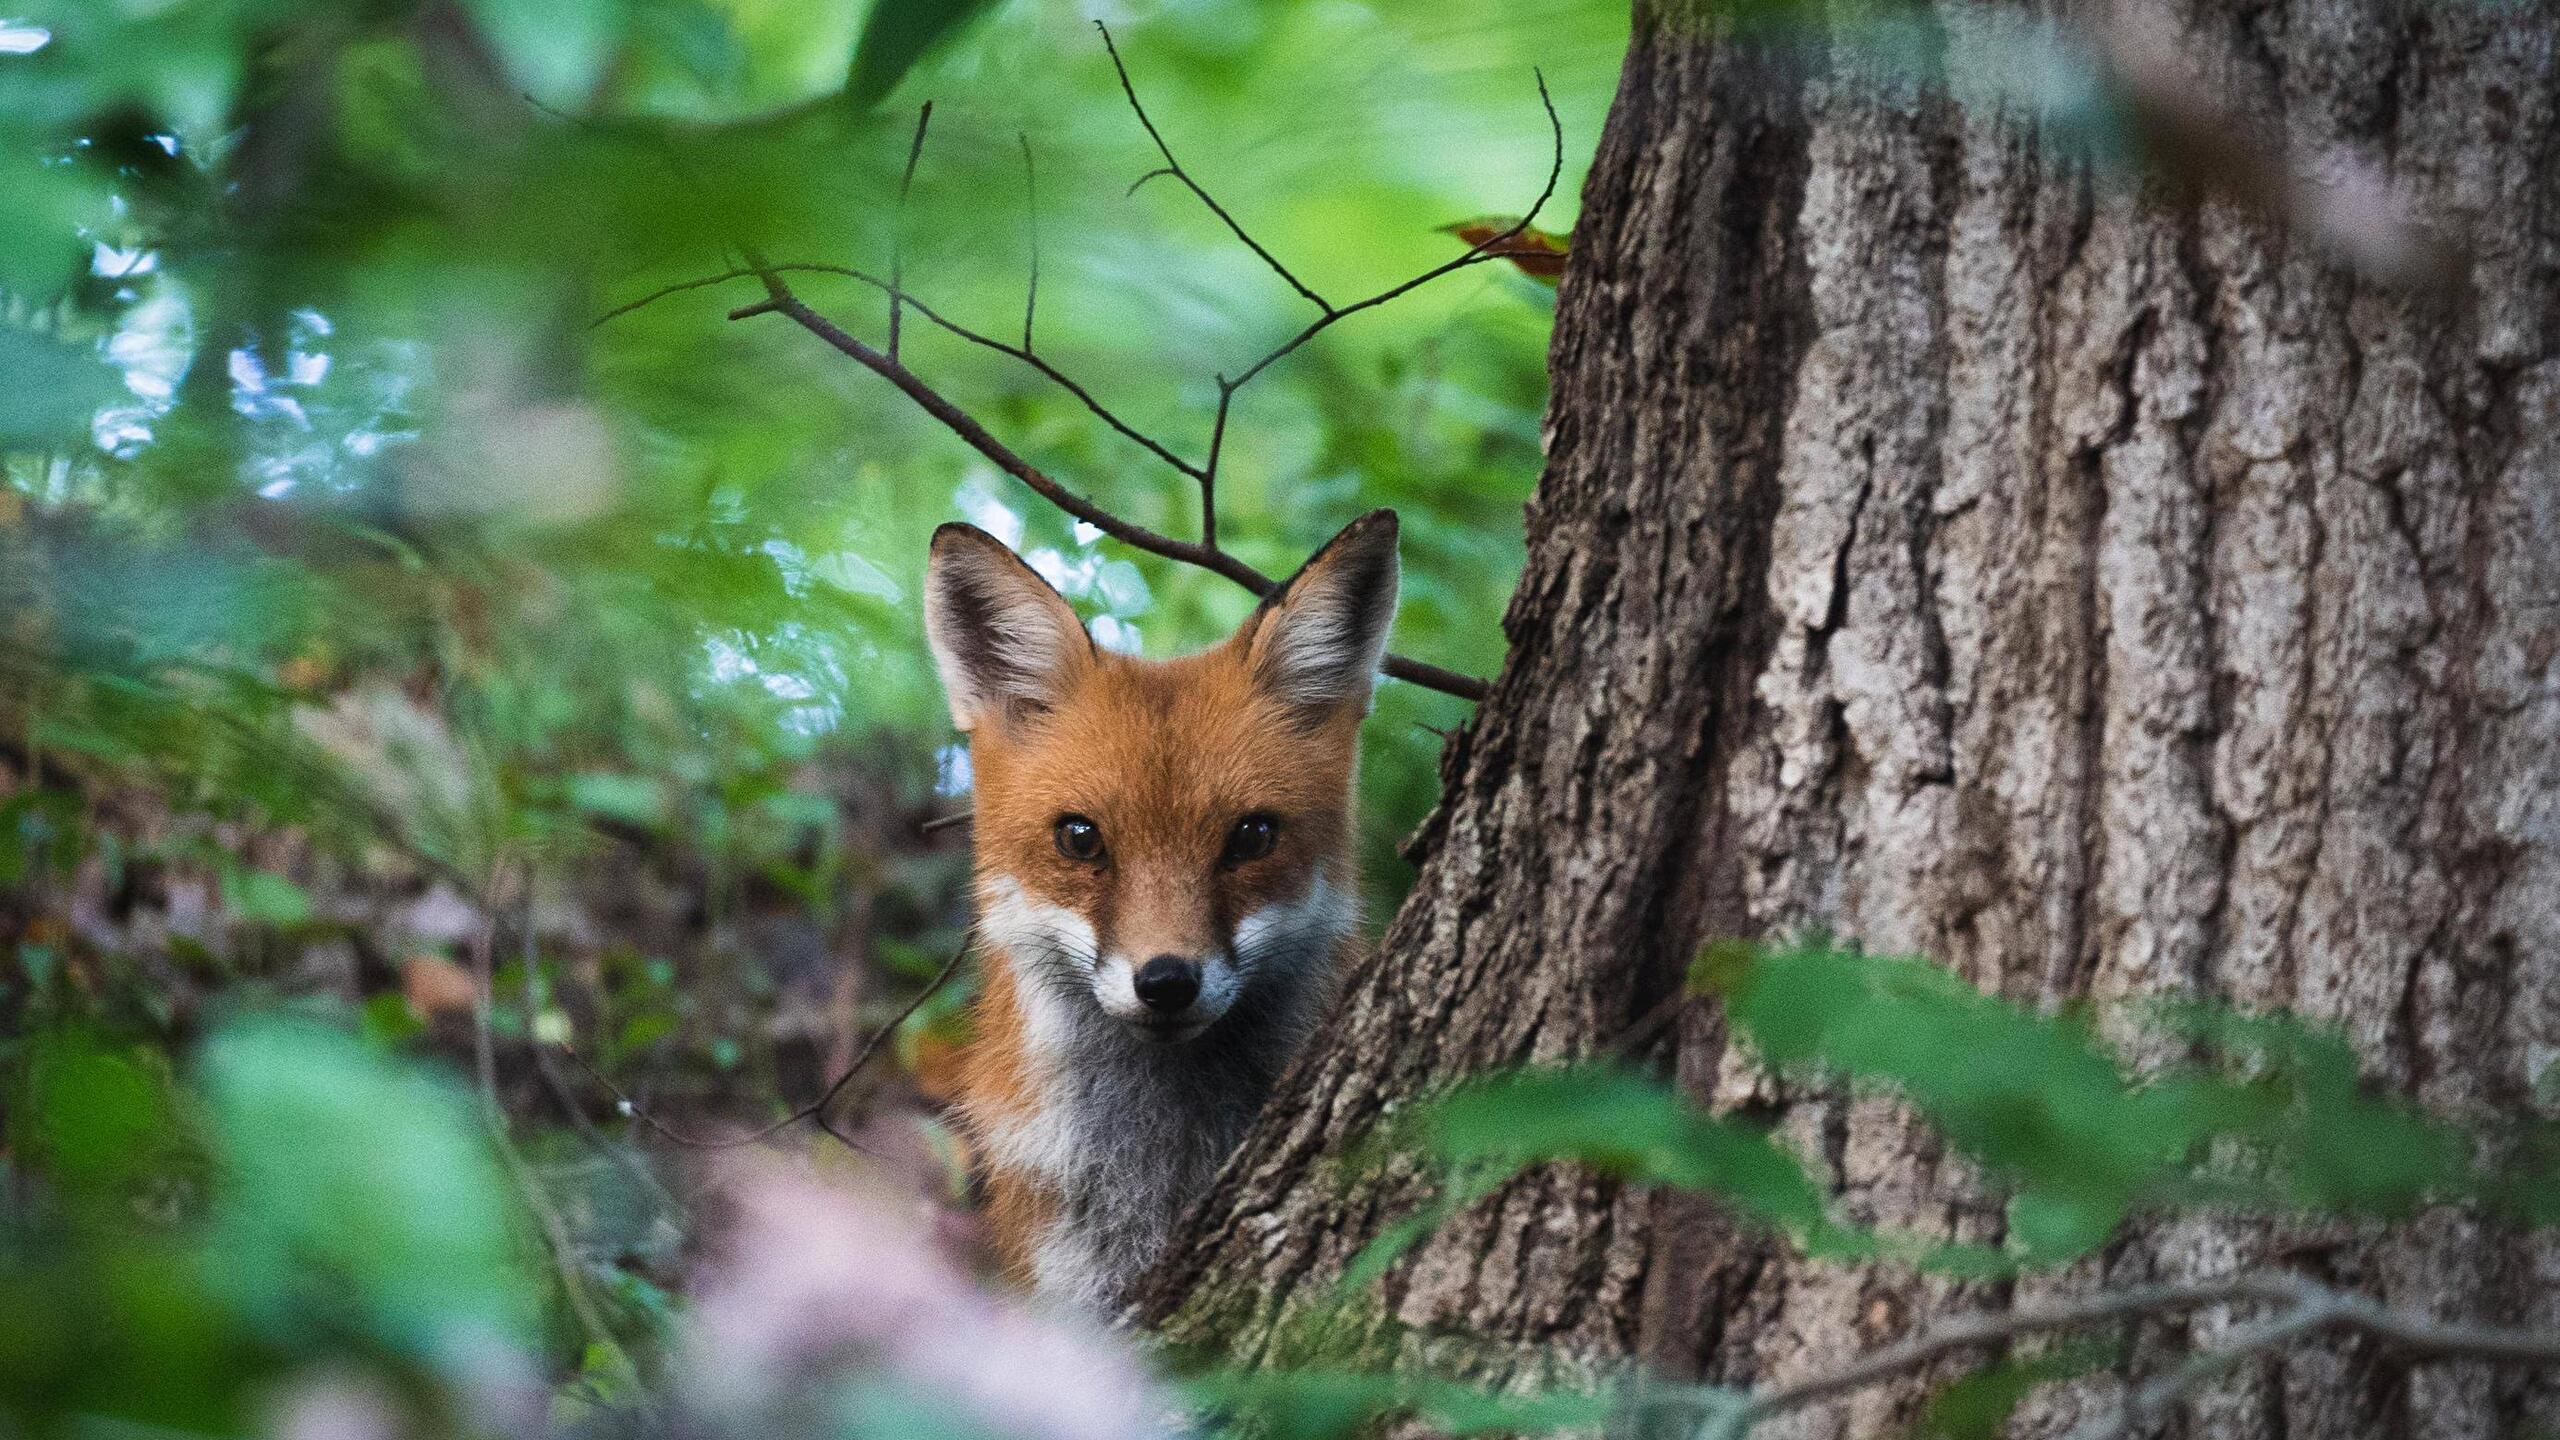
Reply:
x=1978, y=1406
x=557, y=50
x=898, y=34
x=53, y=389
x=1616, y=1123
x=1331, y=1404
x=387, y=1021
x=96, y=1118
x=44, y=208
x=312, y=1132
x=264, y=897
x=635, y=799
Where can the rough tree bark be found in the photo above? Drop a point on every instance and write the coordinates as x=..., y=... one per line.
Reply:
x=1971, y=555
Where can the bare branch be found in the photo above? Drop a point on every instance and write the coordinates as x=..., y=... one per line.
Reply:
x=780, y=300
x=1491, y=248
x=1206, y=553
x=2305, y=1307
x=1209, y=472
x=1174, y=168
x=1992, y=1328
x=2153, y=1399
x=1206, y=557
x=898, y=232
x=943, y=322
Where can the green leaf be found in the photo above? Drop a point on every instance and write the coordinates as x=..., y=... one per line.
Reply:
x=644, y=1030
x=897, y=35
x=1318, y=1404
x=387, y=1021
x=634, y=799
x=264, y=897
x=1624, y=1126
x=794, y=807
x=92, y=1117
x=1978, y=1406
x=2054, y=1226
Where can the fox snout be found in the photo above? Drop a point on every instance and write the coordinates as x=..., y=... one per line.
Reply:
x=1172, y=995
x=1167, y=997
x=1167, y=985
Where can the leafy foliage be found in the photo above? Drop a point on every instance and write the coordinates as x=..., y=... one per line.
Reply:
x=2269, y=1115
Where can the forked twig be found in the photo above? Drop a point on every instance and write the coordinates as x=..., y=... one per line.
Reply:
x=1174, y=168
x=2302, y=1307
x=780, y=301
x=941, y=321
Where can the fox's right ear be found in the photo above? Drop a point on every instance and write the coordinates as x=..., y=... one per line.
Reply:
x=1004, y=641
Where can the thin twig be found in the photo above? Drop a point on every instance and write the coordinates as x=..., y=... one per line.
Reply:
x=952, y=327
x=1031, y=193
x=898, y=230
x=1998, y=1327
x=940, y=823
x=1485, y=250
x=484, y=1054
x=1209, y=472
x=1174, y=168
x=816, y=1109
x=2154, y=1398
x=2305, y=1307
x=562, y=1093
x=782, y=301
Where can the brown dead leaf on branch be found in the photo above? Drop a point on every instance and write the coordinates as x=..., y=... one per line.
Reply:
x=1539, y=255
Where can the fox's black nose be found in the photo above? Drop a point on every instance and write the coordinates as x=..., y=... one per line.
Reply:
x=1168, y=984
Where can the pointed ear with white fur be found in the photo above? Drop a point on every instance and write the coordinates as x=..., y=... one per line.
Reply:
x=1005, y=642
x=1318, y=640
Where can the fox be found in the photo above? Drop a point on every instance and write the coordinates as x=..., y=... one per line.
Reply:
x=1166, y=888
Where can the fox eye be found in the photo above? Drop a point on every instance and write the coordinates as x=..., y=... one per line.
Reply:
x=1251, y=839
x=1078, y=838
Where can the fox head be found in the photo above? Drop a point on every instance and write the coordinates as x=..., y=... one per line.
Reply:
x=1160, y=836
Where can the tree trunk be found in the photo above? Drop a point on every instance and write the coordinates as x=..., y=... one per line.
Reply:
x=1967, y=554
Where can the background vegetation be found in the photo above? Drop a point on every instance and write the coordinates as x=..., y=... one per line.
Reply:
x=458, y=751
x=377, y=627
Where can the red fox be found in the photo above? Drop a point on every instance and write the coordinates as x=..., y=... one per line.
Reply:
x=1165, y=887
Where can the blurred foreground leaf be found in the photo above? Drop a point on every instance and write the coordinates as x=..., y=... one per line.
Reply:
x=897, y=35
x=52, y=389
x=357, y=1198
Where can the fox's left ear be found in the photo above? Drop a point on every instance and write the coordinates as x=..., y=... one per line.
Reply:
x=1318, y=640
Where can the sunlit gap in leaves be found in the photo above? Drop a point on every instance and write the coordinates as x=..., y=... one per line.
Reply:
x=1084, y=574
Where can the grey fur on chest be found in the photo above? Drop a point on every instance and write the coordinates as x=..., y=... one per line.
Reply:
x=1140, y=1129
